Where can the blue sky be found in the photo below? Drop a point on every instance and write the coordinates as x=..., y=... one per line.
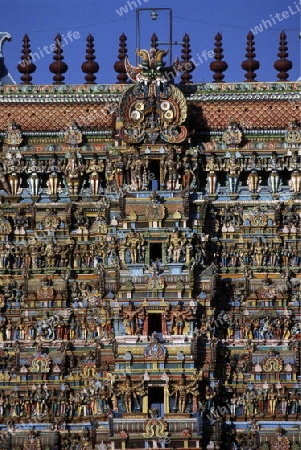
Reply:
x=106, y=20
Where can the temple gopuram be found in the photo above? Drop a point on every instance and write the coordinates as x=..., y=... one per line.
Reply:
x=150, y=259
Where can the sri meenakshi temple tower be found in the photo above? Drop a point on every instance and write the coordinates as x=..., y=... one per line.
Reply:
x=150, y=269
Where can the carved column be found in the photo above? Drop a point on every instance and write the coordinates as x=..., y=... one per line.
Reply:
x=166, y=399
x=164, y=325
x=145, y=404
x=145, y=326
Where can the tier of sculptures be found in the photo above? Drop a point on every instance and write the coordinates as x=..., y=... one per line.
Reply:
x=129, y=170
x=130, y=247
x=35, y=255
x=75, y=174
x=248, y=328
x=179, y=319
x=237, y=166
x=272, y=399
x=102, y=324
x=102, y=397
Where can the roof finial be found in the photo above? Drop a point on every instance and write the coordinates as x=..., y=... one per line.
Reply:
x=218, y=66
x=119, y=65
x=186, y=63
x=154, y=41
x=250, y=64
x=283, y=64
x=90, y=67
x=58, y=67
x=26, y=66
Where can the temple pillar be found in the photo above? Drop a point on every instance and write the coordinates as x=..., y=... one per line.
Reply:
x=147, y=254
x=145, y=404
x=164, y=262
x=194, y=403
x=162, y=186
x=145, y=326
x=122, y=254
x=164, y=325
x=166, y=400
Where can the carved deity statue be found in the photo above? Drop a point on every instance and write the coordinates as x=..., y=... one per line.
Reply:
x=178, y=318
x=130, y=393
x=132, y=318
x=13, y=169
x=176, y=246
x=35, y=171
x=134, y=242
x=181, y=391
x=74, y=170
x=119, y=167
x=94, y=168
x=54, y=170
x=171, y=166
x=234, y=169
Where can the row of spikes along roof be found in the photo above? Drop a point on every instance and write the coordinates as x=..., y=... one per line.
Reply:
x=90, y=67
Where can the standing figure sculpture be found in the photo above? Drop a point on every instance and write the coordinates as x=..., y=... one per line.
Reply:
x=181, y=391
x=103, y=397
x=176, y=246
x=188, y=173
x=20, y=222
x=119, y=172
x=139, y=178
x=133, y=319
x=171, y=166
x=35, y=170
x=82, y=222
x=109, y=175
x=130, y=393
x=178, y=319
x=234, y=169
x=95, y=167
x=54, y=170
x=13, y=169
x=272, y=396
x=73, y=170
x=134, y=242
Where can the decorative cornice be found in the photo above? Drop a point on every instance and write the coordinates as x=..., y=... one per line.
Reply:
x=111, y=93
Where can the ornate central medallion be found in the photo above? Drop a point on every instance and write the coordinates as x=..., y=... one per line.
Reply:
x=152, y=109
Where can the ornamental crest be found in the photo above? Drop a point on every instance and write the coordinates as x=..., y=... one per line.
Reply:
x=13, y=135
x=272, y=364
x=33, y=443
x=155, y=211
x=293, y=133
x=45, y=293
x=267, y=291
x=152, y=109
x=155, y=350
x=232, y=136
x=280, y=442
x=155, y=282
x=154, y=427
x=51, y=221
x=40, y=364
x=5, y=226
x=88, y=370
x=256, y=218
x=73, y=136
